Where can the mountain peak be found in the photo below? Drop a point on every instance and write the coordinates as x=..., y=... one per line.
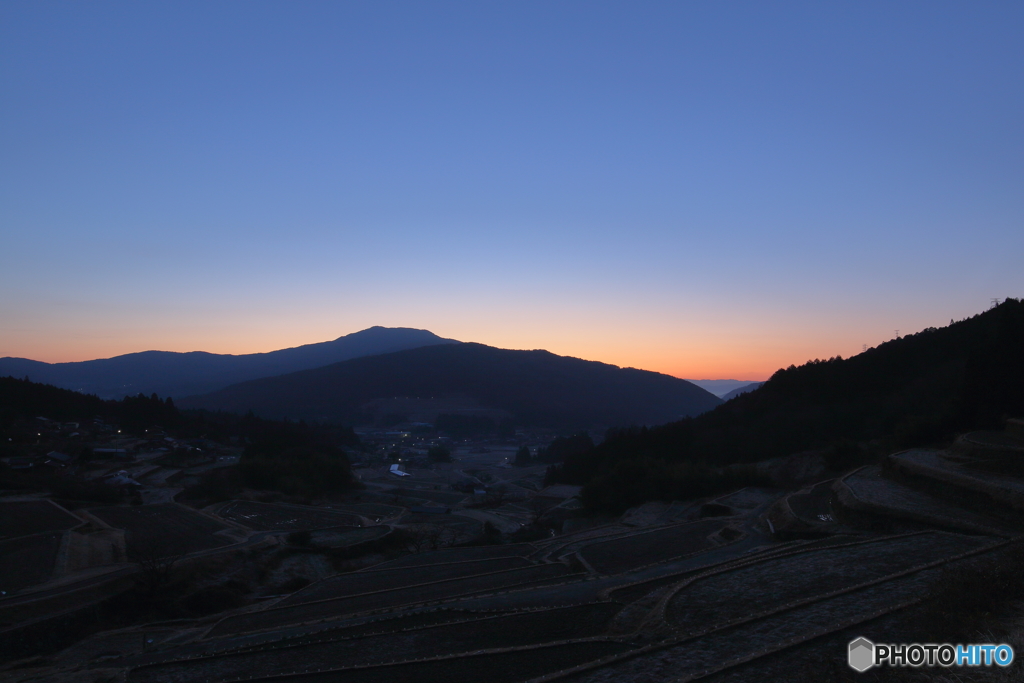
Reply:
x=170, y=373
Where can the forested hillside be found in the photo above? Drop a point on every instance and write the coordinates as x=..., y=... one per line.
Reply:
x=918, y=389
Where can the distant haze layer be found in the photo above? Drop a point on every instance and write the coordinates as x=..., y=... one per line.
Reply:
x=720, y=387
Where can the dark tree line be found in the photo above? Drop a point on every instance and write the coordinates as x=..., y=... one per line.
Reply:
x=916, y=390
x=293, y=457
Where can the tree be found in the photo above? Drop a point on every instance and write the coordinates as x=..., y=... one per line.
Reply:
x=565, y=447
x=155, y=558
x=523, y=457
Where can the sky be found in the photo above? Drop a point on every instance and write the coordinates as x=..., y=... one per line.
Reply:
x=705, y=189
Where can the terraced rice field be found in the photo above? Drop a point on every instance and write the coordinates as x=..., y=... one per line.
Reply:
x=501, y=667
x=435, y=518
x=938, y=465
x=737, y=593
x=165, y=525
x=345, y=537
x=808, y=506
x=442, y=497
x=345, y=628
x=484, y=552
x=638, y=550
x=385, y=579
x=462, y=529
x=279, y=517
x=690, y=658
x=748, y=498
x=378, y=510
x=670, y=603
x=26, y=517
x=330, y=651
x=869, y=486
x=308, y=612
x=28, y=560
x=994, y=440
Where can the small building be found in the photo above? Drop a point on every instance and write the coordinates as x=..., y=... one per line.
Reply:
x=20, y=462
x=122, y=479
x=57, y=459
x=120, y=453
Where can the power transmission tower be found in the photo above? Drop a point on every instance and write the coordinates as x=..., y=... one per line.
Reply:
x=863, y=348
x=897, y=334
x=995, y=302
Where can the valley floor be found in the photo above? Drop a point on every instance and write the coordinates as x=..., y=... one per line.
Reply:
x=755, y=585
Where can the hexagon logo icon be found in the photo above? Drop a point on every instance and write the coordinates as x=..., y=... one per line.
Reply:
x=861, y=655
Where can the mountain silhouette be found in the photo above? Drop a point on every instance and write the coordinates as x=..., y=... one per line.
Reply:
x=174, y=374
x=740, y=390
x=535, y=388
x=918, y=389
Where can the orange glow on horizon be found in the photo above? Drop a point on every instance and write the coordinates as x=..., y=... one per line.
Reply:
x=693, y=361
x=699, y=345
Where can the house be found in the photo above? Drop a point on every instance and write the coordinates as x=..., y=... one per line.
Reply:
x=57, y=459
x=111, y=453
x=397, y=472
x=20, y=462
x=122, y=479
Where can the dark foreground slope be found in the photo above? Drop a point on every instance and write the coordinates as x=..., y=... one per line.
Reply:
x=182, y=374
x=922, y=388
x=533, y=387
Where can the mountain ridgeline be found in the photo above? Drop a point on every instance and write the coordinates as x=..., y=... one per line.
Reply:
x=528, y=388
x=915, y=390
x=183, y=374
x=738, y=391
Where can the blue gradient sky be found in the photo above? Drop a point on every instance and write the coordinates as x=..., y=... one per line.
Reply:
x=704, y=189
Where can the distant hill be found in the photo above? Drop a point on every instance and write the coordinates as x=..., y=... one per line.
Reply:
x=534, y=388
x=184, y=374
x=719, y=387
x=740, y=390
x=919, y=389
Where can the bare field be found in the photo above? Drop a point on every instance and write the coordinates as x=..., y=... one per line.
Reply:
x=28, y=560
x=693, y=657
x=299, y=613
x=484, y=552
x=442, y=497
x=386, y=579
x=165, y=525
x=483, y=632
x=899, y=500
x=377, y=510
x=26, y=517
x=501, y=667
x=279, y=517
x=775, y=582
x=641, y=549
x=344, y=537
